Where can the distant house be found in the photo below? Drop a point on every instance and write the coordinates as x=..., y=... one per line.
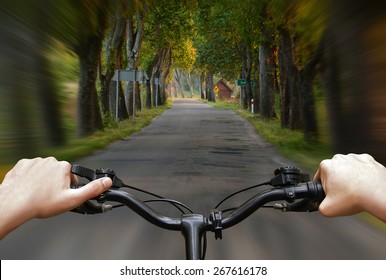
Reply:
x=225, y=92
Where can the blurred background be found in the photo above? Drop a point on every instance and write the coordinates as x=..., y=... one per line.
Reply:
x=328, y=76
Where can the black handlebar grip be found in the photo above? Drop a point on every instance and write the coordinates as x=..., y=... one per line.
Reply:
x=311, y=190
x=309, y=195
x=318, y=191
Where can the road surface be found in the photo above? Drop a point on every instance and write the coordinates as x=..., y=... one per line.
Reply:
x=198, y=155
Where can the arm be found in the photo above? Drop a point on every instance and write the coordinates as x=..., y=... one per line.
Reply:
x=353, y=183
x=40, y=188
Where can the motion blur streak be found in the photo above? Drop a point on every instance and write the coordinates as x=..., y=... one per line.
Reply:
x=29, y=108
x=355, y=76
x=32, y=99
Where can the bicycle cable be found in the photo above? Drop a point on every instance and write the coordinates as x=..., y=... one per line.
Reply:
x=161, y=199
x=237, y=192
x=171, y=201
x=234, y=208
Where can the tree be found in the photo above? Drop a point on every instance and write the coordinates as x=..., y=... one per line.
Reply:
x=267, y=59
x=209, y=89
x=88, y=51
x=30, y=109
x=246, y=37
x=215, y=41
x=134, y=35
x=81, y=26
x=169, y=24
x=113, y=61
x=354, y=77
x=299, y=32
x=184, y=58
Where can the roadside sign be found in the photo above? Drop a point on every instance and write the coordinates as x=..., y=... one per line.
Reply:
x=241, y=82
x=130, y=75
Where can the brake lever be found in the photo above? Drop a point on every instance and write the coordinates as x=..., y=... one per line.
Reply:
x=92, y=175
x=287, y=176
x=90, y=207
x=290, y=176
x=304, y=205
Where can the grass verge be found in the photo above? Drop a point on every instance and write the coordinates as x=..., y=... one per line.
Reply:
x=290, y=143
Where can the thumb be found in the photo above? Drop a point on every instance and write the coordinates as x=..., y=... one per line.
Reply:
x=94, y=188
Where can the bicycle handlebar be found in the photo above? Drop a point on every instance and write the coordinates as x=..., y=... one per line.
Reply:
x=143, y=210
x=288, y=185
x=311, y=191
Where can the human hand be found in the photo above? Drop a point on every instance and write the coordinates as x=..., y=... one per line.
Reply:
x=40, y=188
x=352, y=183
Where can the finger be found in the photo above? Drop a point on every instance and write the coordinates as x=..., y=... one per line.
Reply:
x=94, y=188
x=74, y=179
x=321, y=170
x=317, y=175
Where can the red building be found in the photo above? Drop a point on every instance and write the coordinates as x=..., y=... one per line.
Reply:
x=224, y=91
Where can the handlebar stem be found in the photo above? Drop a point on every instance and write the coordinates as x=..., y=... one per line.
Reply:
x=193, y=228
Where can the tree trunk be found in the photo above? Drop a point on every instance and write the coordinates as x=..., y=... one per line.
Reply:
x=89, y=116
x=307, y=76
x=113, y=62
x=177, y=77
x=188, y=79
x=256, y=87
x=161, y=67
x=88, y=50
x=210, y=87
x=156, y=72
x=202, y=80
x=166, y=67
x=148, y=94
x=285, y=55
x=267, y=80
x=134, y=35
x=246, y=91
x=290, y=101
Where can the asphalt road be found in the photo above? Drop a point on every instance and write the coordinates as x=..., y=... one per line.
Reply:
x=198, y=155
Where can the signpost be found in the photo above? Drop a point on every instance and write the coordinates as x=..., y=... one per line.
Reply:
x=156, y=82
x=128, y=76
x=243, y=82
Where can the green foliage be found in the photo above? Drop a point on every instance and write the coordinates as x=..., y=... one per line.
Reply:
x=64, y=63
x=305, y=19
x=168, y=23
x=184, y=56
x=109, y=121
x=215, y=41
